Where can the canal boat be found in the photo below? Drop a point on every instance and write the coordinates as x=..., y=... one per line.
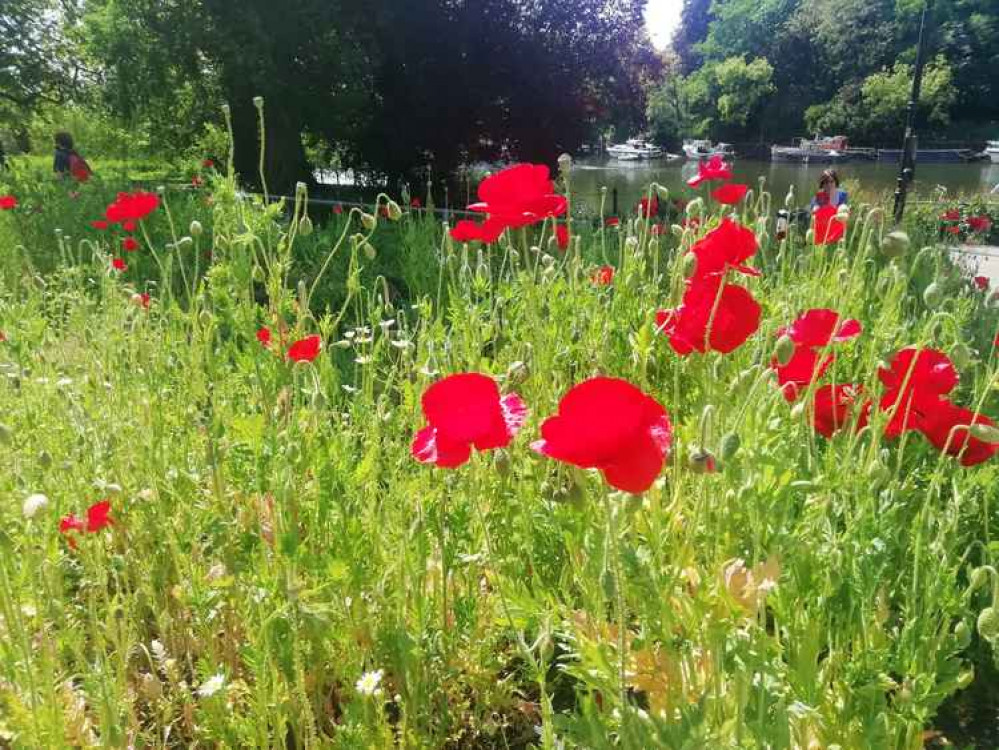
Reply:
x=704, y=149
x=635, y=149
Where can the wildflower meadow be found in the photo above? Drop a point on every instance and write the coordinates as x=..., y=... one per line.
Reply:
x=285, y=475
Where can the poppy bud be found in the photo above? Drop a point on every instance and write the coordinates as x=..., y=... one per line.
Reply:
x=676, y=229
x=962, y=635
x=878, y=475
x=226, y=110
x=962, y=356
x=631, y=244
x=689, y=265
x=984, y=432
x=933, y=296
x=785, y=350
x=895, y=244
x=501, y=460
x=303, y=294
x=988, y=624
x=369, y=251
x=696, y=206
x=300, y=189
x=663, y=192
x=701, y=461
x=45, y=459
x=368, y=221
x=196, y=229
x=730, y=445
x=185, y=243
x=258, y=102
x=393, y=210
x=517, y=373
x=979, y=579
x=305, y=226
x=789, y=198
x=798, y=410
x=6, y=434
x=965, y=678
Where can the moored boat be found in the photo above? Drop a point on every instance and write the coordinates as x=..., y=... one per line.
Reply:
x=634, y=149
x=704, y=149
x=821, y=149
x=992, y=151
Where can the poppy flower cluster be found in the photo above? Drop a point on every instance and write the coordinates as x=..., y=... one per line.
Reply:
x=98, y=518
x=714, y=314
x=603, y=423
x=918, y=382
x=132, y=207
x=8, y=202
x=810, y=335
x=516, y=197
x=303, y=350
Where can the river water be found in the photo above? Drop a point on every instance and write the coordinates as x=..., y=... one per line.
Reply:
x=632, y=178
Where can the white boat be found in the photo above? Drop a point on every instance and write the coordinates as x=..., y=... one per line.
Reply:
x=702, y=149
x=635, y=148
x=992, y=150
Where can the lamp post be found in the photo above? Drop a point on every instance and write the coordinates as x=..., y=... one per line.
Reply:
x=907, y=165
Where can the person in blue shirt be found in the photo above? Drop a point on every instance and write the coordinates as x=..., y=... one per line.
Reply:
x=830, y=193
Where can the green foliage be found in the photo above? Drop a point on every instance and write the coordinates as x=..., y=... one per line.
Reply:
x=876, y=111
x=720, y=97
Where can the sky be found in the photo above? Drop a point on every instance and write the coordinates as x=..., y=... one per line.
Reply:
x=662, y=17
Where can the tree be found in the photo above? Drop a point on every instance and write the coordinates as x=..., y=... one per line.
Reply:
x=724, y=97
x=875, y=110
x=695, y=19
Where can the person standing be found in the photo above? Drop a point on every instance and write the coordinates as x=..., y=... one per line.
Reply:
x=830, y=193
x=67, y=161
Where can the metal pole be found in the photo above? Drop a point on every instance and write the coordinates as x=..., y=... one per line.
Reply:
x=907, y=164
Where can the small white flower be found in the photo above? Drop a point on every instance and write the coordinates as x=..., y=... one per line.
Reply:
x=33, y=504
x=369, y=683
x=211, y=686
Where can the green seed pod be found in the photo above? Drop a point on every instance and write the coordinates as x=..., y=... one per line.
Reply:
x=962, y=356
x=962, y=635
x=394, y=212
x=730, y=444
x=895, y=244
x=501, y=460
x=689, y=265
x=988, y=624
x=979, y=579
x=6, y=434
x=369, y=251
x=305, y=226
x=368, y=221
x=196, y=229
x=258, y=102
x=185, y=243
x=45, y=459
x=933, y=296
x=663, y=192
x=676, y=229
x=878, y=474
x=784, y=350
x=985, y=432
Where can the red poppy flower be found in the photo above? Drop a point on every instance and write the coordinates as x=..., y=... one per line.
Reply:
x=820, y=327
x=612, y=221
x=119, y=265
x=142, y=299
x=953, y=229
x=832, y=407
x=804, y=368
x=519, y=196
x=415, y=203
x=98, y=519
x=134, y=206
x=982, y=282
x=945, y=426
x=979, y=223
x=562, y=236
x=100, y=224
x=264, y=335
x=3, y=337
x=714, y=168
x=305, y=350
x=610, y=425
x=129, y=244
x=734, y=316
x=724, y=248
x=469, y=231
x=338, y=209
x=694, y=222
x=951, y=214
x=916, y=379
x=647, y=208
x=7, y=202
x=827, y=229
x=465, y=411
x=129, y=226
x=730, y=194
x=208, y=164
x=603, y=276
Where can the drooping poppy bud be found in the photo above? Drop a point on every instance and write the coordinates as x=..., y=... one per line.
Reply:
x=933, y=296
x=305, y=226
x=895, y=244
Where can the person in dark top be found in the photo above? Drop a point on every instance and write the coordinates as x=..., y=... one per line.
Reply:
x=67, y=161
